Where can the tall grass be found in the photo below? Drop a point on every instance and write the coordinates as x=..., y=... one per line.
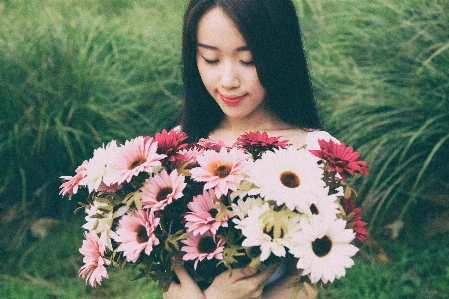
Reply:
x=380, y=68
x=75, y=74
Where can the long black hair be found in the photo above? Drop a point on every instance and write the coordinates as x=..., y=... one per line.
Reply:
x=272, y=33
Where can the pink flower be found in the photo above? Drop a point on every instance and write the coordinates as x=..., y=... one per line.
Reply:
x=187, y=158
x=73, y=183
x=260, y=140
x=169, y=143
x=202, y=217
x=341, y=158
x=356, y=223
x=103, y=188
x=211, y=144
x=135, y=156
x=162, y=189
x=204, y=246
x=136, y=234
x=94, y=262
x=220, y=170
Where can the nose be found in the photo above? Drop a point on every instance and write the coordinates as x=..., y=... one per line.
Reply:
x=229, y=77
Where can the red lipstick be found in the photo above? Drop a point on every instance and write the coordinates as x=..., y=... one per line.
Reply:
x=232, y=100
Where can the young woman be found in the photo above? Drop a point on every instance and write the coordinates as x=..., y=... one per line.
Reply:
x=244, y=69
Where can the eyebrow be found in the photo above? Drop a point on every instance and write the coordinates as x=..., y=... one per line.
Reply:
x=239, y=49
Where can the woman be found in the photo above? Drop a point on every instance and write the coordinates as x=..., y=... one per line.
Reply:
x=244, y=69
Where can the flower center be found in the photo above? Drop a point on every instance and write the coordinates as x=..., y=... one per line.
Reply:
x=272, y=234
x=142, y=236
x=162, y=194
x=314, y=209
x=213, y=212
x=290, y=179
x=222, y=171
x=322, y=246
x=137, y=163
x=207, y=245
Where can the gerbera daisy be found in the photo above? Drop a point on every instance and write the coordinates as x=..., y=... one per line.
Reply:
x=136, y=234
x=94, y=261
x=271, y=230
x=135, y=156
x=202, y=216
x=169, y=143
x=100, y=222
x=324, y=249
x=257, y=143
x=99, y=166
x=242, y=206
x=161, y=189
x=211, y=144
x=288, y=176
x=201, y=247
x=355, y=222
x=325, y=206
x=73, y=183
x=222, y=170
x=341, y=158
x=186, y=158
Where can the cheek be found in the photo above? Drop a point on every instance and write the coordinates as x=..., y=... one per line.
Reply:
x=207, y=76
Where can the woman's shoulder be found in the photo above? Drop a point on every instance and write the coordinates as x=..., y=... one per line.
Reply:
x=315, y=135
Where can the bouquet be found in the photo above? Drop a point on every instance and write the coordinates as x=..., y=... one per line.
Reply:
x=157, y=201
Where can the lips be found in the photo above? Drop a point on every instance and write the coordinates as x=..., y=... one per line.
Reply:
x=232, y=100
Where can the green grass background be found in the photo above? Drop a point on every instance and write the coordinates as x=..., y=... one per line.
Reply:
x=76, y=74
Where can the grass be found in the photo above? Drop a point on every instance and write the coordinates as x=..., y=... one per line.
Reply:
x=75, y=74
x=379, y=69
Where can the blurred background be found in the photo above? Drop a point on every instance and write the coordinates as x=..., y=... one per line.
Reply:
x=77, y=74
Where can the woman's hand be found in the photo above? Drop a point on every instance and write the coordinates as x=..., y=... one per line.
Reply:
x=187, y=287
x=244, y=283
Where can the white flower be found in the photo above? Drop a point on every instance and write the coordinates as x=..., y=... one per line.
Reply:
x=101, y=222
x=243, y=206
x=99, y=165
x=325, y=206
x=288, y=176
x=271, y=231
x=324, y=249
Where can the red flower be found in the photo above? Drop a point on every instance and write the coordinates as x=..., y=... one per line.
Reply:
x=355, y=219
x=341, y=158
x=169, y=143
x=257, y=143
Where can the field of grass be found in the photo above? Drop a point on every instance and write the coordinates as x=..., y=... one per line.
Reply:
x=76, y=74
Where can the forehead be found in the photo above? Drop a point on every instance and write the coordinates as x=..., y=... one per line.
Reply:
x=216, y=28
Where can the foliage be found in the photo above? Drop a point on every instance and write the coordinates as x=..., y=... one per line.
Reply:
x=414, y=269
x=74, y=74
x=381, y=77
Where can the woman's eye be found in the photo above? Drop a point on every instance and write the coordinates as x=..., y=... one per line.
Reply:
x=251, y=62
x=211, y=61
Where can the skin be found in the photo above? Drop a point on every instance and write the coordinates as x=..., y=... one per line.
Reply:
x=230, y=76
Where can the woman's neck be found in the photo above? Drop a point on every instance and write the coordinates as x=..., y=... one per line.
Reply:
x=231, y=129
x=262, y=122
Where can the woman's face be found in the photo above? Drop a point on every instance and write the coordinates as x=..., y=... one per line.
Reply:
x=226, y=66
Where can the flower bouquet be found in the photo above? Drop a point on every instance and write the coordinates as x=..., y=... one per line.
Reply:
x=156, y=201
